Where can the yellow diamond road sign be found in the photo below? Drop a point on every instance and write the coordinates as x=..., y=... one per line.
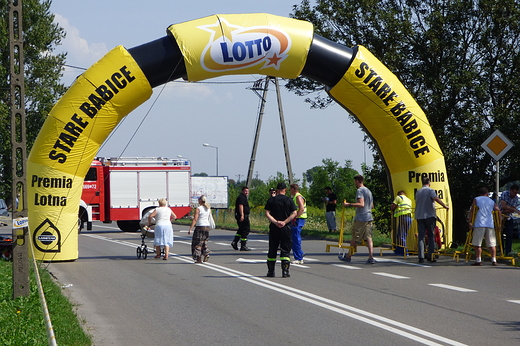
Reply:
x=497, y=145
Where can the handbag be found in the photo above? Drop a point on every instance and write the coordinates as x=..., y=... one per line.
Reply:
x=211, y=221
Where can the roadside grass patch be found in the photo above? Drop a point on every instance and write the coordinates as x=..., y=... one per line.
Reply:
x=21, y=319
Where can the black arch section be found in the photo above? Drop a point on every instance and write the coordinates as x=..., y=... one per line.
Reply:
x=327, y=61
x=162, y=61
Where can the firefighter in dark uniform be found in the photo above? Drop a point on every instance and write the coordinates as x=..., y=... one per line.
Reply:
x=280, y=211
x=242, y=217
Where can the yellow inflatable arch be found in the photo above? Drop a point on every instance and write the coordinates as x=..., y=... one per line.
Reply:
x=206, y=48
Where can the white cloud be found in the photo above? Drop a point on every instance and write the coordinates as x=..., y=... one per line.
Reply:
x=80, y=52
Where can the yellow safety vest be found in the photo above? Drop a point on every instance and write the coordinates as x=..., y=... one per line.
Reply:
x=304, y=215
x=404, y=206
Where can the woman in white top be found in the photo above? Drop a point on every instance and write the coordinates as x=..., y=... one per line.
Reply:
x=163, y=228
x=199, y=243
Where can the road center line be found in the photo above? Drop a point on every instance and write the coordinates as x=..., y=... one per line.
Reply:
x=391, y=275
x=454, y=288
x=345, y=266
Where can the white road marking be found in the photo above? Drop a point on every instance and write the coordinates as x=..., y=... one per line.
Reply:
x=179, y=237
x=310, y=259
x=454, y=288
x=391, y=275
x=345, y=266
x=401, y=329
x=104, y=227
x=514, y=301
x=246, y=260
x=381, y=260
x=229, y=245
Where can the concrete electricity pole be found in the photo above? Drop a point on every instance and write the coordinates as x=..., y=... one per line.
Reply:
x=257, y=87
x=19, y=151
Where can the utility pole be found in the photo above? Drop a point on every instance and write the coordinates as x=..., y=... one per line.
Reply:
x=256, y=87
x=284, y=134
x=19, y=151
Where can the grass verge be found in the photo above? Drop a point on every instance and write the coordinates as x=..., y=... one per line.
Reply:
x=21, y=319
x=315, y=226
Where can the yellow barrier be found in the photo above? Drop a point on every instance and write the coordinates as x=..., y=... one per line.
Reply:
x=468, y=247
x=340, y=245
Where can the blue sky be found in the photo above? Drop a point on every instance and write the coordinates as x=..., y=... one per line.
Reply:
x=180, y=117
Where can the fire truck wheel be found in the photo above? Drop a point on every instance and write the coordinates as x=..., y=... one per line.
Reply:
x=80, y=225
x=128, y=225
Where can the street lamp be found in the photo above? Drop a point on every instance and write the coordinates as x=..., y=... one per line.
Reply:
x=211, y=146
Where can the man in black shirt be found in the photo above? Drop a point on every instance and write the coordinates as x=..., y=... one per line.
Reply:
x=330, y=209
x=280, y=211
x=242, y=217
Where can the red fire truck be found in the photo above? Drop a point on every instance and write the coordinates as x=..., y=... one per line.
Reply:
x=123, y=189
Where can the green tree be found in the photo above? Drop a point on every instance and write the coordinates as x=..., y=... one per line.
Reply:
x=458, y=58
x=376, y=180
x=43, y=71
x=340, y=179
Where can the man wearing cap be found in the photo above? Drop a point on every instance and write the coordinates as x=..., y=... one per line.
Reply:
x=242, y=217
x=280, y=211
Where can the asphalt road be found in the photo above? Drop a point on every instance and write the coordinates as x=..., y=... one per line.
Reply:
x=229, y=301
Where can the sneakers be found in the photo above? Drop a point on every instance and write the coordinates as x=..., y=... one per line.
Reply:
x=344, y=258
x=477, y=263
x=371, y=261
x=297, y=262
x=494, y=263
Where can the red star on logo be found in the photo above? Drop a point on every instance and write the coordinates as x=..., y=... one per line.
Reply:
x=274, y=60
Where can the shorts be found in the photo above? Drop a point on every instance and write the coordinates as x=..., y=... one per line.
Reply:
x=362, y=230
x=480, y=232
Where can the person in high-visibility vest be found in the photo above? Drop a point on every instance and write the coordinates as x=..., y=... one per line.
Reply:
x=298, y=223
x=402, y=208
